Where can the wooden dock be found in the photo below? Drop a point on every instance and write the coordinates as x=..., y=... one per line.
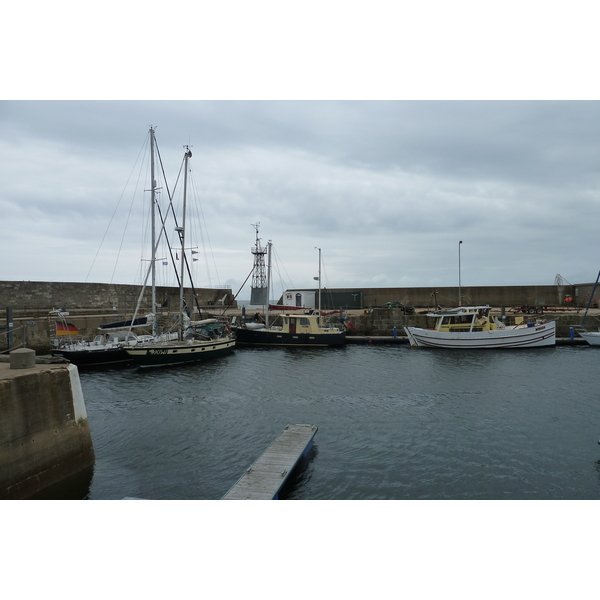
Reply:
x=265, y=478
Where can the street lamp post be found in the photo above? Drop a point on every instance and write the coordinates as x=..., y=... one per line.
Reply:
x=459, y=290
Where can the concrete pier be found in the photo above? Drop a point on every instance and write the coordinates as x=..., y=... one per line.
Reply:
x=44, y=432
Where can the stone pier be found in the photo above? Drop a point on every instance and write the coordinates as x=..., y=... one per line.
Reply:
x=45, y=437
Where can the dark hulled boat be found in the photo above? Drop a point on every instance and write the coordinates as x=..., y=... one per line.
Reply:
x=305, y=330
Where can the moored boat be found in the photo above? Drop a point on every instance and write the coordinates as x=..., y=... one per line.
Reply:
x=303, y=330
x=591, y=337
x=103, y=350
x=476, y=327
x=309, y=329
x=202, y=340
x=107, y=348
x=196, y=341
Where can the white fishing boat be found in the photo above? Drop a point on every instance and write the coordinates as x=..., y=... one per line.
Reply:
x=196, y=340
x=476, y=327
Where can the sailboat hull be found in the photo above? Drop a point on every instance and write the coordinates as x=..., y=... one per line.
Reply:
x=266, y=337
x=591, y=337
x=161, y=355
x=95, y=357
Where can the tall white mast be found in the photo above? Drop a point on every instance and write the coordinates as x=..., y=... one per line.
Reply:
x=319, y=280
x=153, y=200
x=269, y=244
x=181, y=231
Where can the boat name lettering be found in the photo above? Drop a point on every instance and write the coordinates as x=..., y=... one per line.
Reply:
x=158, y=351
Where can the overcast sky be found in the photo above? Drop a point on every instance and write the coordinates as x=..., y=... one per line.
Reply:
x=386, y=189
x=385, y=186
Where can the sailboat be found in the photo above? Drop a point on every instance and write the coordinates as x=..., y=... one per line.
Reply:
x=289, y=328
x=107, y=348
x=591, y=337
x=196, y=340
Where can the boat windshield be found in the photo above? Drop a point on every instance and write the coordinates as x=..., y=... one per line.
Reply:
x=458, y=319
x=209, y=330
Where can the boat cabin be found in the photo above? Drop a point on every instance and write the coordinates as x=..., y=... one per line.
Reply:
x=466, y=318
x=115, y=338
x=308, y=323
x=207, y=329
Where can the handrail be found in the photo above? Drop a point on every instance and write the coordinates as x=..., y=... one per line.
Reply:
x=10, y=332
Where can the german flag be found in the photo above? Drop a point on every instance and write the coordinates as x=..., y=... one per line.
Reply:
x=66, y=329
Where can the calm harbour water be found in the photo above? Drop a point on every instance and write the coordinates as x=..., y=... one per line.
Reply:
x=394, y=423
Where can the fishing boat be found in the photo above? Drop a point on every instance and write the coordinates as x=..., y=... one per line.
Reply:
x=289, y=328
x=196, y=340
x=305, y=330
x=475, y=327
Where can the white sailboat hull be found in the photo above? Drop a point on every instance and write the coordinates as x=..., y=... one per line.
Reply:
x=522, y=337
x=591, y=337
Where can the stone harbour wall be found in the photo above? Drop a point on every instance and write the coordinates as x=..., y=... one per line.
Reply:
x=39, y=297
x=511, y=295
